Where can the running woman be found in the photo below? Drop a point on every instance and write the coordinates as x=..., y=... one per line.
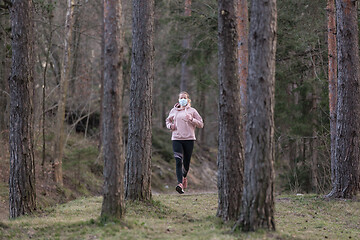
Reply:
x=182, y=121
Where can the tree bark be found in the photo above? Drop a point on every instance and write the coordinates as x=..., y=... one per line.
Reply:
x=113, y=150
x=231, y=152
x=258, y=197
x=185, y=74
x=138, y=159
x=22, y=196
x=64, y=85
x=243, y=55
x=332, y=72
x=347, y=145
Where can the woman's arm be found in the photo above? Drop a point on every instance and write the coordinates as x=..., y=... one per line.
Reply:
x=197, y=120
x=170, y=121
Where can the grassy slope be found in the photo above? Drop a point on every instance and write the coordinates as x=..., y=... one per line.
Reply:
x=188, y=216
x=82, y=168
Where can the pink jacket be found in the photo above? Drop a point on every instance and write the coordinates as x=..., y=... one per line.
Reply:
x=184, y=129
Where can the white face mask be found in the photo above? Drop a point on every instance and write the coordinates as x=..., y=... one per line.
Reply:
x=183, y=102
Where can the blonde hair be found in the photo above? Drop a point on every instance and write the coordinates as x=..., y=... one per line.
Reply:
x=188, y=97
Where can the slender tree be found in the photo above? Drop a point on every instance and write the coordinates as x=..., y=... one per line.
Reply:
x=102, y=75
x=64, y=85
x=231, y=152
x=22, y=197
x=76, y=41
x=347, y=144
x=113, y=150
x=186, y=46
x=332, y=75
x=138, y=159
x=313, y=142
x=49, y=18
x=258, y=197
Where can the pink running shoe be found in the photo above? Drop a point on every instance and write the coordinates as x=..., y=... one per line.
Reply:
x=179, y=188
x=185, y=182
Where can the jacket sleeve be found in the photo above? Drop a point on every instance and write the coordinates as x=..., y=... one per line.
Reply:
x=197, y=120
x=168, y=121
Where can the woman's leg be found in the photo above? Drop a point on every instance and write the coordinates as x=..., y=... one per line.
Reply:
x=188, y=146
x=178, y=155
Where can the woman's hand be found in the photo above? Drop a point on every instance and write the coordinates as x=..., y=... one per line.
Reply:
x=189, y=117
x=172, y=127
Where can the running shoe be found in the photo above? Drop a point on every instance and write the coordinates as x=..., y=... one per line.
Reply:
x=179, y=188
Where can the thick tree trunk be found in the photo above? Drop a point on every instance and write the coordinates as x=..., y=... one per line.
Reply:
x=113, y=149
x=64, y=85
x=231, y=152
x=243, y=54
x=332, y=72
x=347, y=146
x=258, y=197
x=138, y=159
x=22, y=196
x=185, y=74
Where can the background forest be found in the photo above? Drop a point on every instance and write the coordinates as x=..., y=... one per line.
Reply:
x=301, y=110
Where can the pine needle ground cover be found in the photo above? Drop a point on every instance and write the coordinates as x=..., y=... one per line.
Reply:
x=188, y=216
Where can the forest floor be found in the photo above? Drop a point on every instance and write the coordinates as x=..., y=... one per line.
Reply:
x=187, y=216
x=83, y=170
x=72, y=211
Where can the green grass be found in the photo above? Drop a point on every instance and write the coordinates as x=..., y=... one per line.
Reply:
x=186, y=217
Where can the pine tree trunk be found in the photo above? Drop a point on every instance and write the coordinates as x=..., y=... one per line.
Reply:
x=113, y=150
x=185, y=74
x=22, y=196
x=64, y=85
x=231, y=152
x=347, y=145
x=258, y=197
x=332, y=72
x=243, y=54
x=138, y=159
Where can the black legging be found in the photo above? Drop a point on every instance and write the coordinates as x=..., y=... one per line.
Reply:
x=182, y=153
